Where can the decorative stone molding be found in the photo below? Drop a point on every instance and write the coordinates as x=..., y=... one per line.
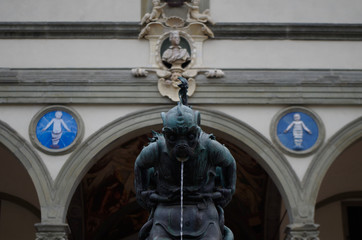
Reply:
x=238, y=86
x=131, y=30
x=51, y=232
x=176, y=33
x=288, y=31
x=194, y=14
x=302, y=232
x=51, y=236
x=167, y=67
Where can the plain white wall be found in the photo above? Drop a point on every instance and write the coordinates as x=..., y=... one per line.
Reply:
x=282, y=54
x=79, y=53
x=121, y=53
x=70, y=10
x=297, y=11
x=320, y=11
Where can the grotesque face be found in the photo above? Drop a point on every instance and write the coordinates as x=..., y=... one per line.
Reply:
x=181, y=132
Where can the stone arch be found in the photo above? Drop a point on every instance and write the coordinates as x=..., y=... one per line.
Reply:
x=256, y=145
x=327, y=155
x=31, y=161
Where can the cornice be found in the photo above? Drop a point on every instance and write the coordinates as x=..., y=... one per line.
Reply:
x=239, y=86
x=288, y=31
x=69, y=30
x=130, y=30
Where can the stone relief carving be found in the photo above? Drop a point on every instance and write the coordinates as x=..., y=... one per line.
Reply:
x=51, y=236
x=298, y=126
x=168, y=87
x=175, y=55
x=303, y=236
x=297, y=131
x=194, y=14
x=156, y=13
x=175, y=40
x=303, y=232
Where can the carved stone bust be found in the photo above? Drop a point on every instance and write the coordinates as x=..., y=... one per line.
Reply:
x=175, y=54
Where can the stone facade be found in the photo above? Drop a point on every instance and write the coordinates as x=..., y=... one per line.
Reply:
x=248, y=69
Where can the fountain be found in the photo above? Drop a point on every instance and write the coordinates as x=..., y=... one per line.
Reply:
x=185, y=178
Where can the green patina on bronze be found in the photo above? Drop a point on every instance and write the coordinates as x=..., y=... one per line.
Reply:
x=208, y=181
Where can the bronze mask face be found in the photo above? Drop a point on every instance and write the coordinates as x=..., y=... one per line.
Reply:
x=181, y=132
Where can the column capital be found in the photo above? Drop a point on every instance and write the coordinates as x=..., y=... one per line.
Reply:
x=51, y=231
x=302, y=232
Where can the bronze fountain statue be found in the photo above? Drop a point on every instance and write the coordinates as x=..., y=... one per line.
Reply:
x=185, y=178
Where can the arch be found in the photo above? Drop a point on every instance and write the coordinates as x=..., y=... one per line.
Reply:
x=31, y=161
x=327, y=155
x=255, y=144
x=339, y=197
x=21, y=203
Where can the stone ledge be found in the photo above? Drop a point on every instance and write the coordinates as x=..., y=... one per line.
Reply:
x=130, y=30
x=69, y=30
x=288, y=31
x=239, y=86
x=47, y=228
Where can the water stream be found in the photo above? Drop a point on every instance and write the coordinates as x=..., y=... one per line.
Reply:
x=182, y=199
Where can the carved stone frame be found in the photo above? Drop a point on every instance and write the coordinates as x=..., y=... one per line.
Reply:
x=183, y=35
x=313, y=115
x=65, y=150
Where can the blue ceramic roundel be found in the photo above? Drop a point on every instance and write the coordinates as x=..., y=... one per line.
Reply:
x=56, y=130
x=297, y=131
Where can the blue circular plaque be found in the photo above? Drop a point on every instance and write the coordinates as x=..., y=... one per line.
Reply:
x=56, y=129
x=297, y=130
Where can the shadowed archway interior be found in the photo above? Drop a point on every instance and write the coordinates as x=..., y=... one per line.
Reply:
x=19, y=204
x=104, y=205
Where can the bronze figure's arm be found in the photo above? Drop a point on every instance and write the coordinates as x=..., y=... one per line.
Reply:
x=226, y=165
x=143, y=172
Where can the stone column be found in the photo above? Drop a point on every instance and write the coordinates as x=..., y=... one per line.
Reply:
x=51, y=231
x=302, y=232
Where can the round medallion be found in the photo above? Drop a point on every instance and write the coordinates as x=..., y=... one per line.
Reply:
x=56, y=129
x=297, y=131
